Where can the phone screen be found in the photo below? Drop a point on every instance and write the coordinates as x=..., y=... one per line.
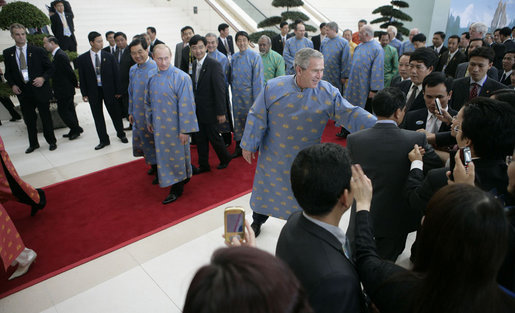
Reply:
x=235, y=223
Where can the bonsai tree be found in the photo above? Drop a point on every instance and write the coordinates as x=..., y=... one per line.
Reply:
x=392, y=15
x=24, y=13
x=290, y=16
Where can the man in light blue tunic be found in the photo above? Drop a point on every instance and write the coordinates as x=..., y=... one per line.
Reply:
x=367, y=72
x=293, y=45
x=337, y=59
x=407, y=46
x=140, y=73
x=171, y=118
x=246, y=82
x=288, y=116
x=394, y=42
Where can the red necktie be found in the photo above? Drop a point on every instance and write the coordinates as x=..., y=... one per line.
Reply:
x=474, y=91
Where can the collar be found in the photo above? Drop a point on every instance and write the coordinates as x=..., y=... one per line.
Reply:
x=61, y=14
x=24, y=47
x=201, y=61
x=92, y=53
x=480, y=83
x=55, y=51
x=153, y=41
x=386, y=122
x=419, y=87
x=334, y=230
x=508, y=73
x=451, y=54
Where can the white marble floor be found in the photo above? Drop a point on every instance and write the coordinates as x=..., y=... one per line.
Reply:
x=151, y=275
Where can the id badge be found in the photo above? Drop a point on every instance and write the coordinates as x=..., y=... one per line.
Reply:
x=25, y=74
x=99, y=80
x=190, y=69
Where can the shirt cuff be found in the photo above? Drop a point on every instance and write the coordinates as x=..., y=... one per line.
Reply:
x=417, y=164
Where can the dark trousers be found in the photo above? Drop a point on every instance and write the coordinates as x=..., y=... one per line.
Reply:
x=28, y=103
x=258, y=218
x=208, y=133
x=9, y=105
x=389, y=248
x=98, y=115
x=68, y=43
x=66, y=109
x=124, y=105
x=178, y=188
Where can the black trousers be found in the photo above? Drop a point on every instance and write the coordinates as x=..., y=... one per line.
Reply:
x=124, y=105
x=68, y=43
x=389, y=248
x=9, y=105
x=259, y=218
x=98, y=115
x=208, y=133
x=28, y=103
x=66, y=109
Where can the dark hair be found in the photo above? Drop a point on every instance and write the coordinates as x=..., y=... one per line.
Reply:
x=437, y=78
x=319, y=176
x=426, y=55
x=488, y=123
x=505, y=31
x=408, y=53
x=462, y=245
x=441, y=34
x=483, y=44
x=152, y=29
x=322, y=25
x=505, y=95
x=138, y=41
x=362, y=21
x=387, y=101
x=419, y=37
x=245, y=279
x=222, y=26
x=185, y=28
x=241, y=33
x=195, y=39
x=381, y=34
x=120, y=34
x=467, y=35
x=454, y=37
x=282, y=24
x=297, y=22
x=56, y=2
x=483, y=52
x=508, y=52
x=52, y=39
x=93, y=35
x=109, y=33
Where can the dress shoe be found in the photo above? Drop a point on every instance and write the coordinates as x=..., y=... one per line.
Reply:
x=30, y=149
x=52, y=147
x=199, y=170
x=67, y=135
x=170, y=198
x=24, y=261
x=74, y=136
x=128, y=127
x=101, y=145
x=124, y=140
x=42, y=202
x=223, y=165
x=14, y=119
x=256, y=228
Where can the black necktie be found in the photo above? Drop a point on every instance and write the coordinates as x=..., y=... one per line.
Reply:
x=503, y=77
x=411, y=97
x=97, y=64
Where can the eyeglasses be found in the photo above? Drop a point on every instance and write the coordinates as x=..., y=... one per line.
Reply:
x=509, y=158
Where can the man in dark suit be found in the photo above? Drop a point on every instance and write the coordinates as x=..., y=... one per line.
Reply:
x=100, y=82
x=187, y=58
x=317, y=40
x=124, y=60
x=225, y=43
x=381, y=151
x=438, y=39
x=64, y=82
x=507, y=64
x=27, y=71
x=151, y=31
x=279, y=40
x=112, y=43
x=422, y=63
x=209, y=90
x=62, y=27
x=450, y=59
x=67, y=7
x=435, y=86
x=311, y=243
x=186, y=33
x=478, y=84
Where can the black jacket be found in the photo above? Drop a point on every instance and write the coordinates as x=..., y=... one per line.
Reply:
x=64, y=80
x=209, y=91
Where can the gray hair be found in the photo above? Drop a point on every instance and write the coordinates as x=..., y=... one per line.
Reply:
x=368, y=30
x=267, y=39
x=479, y=27
x=304, y=55
x=393, y=29
x=332, y=25
x=211, y=35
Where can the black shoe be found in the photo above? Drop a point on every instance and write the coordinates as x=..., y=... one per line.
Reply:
x=223, y=165
x=52, y=147
x=155, y=181
x=30, y=149
x=151, y=171
x=42, y=202
x=170, y=198
x=67, y=135
x=128, y=127
x=101, y=145
x=14, y=119
x=124, y=140
x=81, y=130
x=199, y=170
x=73, y=136
x=256, y=228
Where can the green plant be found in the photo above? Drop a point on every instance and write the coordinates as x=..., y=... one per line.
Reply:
x=24, y=13
x=36, y=39
x=5, y=90
x=393, y=16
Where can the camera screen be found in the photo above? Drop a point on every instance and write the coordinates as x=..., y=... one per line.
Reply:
x=235, y=223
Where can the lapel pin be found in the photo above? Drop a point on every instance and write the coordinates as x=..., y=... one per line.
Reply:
x=419, y=122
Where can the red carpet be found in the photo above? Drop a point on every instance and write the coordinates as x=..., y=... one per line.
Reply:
x=95, y=214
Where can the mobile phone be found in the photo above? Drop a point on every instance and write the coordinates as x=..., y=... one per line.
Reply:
x=438, y=106
x=234, y=223
x=465, y=156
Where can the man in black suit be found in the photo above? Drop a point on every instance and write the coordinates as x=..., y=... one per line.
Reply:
x=450, y=59
x=438, y=39
x=462, y=69
x=62, y=27
x=64, y=82
x=124, y=60
x=187, y=58
x=435, y=86
x=151, y=31
x=209, y=90
x=422, y=63
x=317, y=40
x=67, y=7
x=311, y=243
x=186, y=34
x=507, y=64
x=100, y=82
x=112, y=43
x=27, y=71
x=507, y=41
x=381, y=151
x=225, y=43
x=279, y=40
x=478, y=84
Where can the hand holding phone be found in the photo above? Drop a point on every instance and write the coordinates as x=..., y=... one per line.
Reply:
x=234, y=224
x=438, y=106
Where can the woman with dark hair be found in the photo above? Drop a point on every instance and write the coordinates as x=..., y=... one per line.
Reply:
x=462, y=244
x=245, y=280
